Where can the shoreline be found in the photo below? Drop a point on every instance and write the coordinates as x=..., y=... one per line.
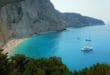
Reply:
x=11, y=45
x=15, y=42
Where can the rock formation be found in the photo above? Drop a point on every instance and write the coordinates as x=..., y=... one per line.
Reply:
x=24, y=18
x=77, y=20
x=27, y=17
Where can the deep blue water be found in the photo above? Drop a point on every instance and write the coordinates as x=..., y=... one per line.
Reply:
x=67, y=45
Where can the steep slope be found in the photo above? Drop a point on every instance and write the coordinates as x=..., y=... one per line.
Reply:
x=23, y=18
x=77, y=20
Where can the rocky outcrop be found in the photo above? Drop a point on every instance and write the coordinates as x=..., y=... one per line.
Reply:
x=27, y=17
x=24, y=18
x=77, y=20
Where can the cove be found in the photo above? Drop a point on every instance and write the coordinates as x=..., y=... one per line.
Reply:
x=67, y=45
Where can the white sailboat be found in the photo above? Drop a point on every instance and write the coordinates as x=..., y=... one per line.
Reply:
x=88, y=40
x=87, y=47
x=89, y=37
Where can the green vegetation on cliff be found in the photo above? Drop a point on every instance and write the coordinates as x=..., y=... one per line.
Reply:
x=98, y=69
x=21, y=65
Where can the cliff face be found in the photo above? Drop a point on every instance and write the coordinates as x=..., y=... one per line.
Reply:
x=77, y=20
x=28, y=17
x=23, y=18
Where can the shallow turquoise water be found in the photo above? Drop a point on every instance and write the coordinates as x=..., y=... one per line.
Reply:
x=67, y=45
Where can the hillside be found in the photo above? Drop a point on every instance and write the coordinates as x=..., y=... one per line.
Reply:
x=24, y=18
x=77, y=20
x=28, y=17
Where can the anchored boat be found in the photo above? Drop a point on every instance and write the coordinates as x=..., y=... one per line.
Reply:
x=87, y=48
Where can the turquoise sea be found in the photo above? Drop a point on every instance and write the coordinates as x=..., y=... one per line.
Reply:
x=68, y=44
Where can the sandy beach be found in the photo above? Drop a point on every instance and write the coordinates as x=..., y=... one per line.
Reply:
x=12, y=44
